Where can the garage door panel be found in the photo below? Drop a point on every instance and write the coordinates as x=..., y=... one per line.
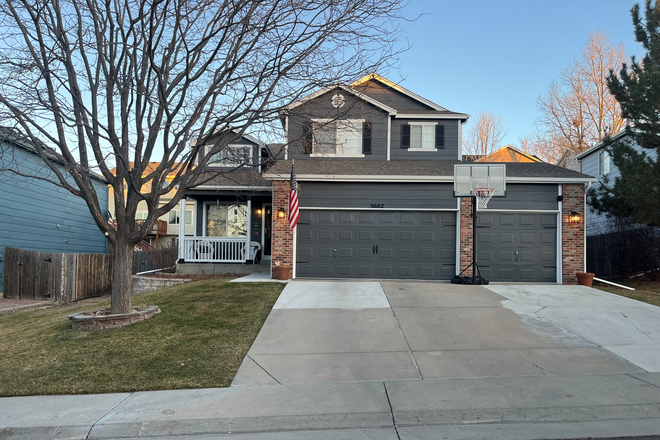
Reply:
x=548, y=256
x=324, y=216
x=345, y=234
x=426, y=254
x=527, y=256
x=505, y=238
x=385, y=253
x=365, y=271
x=378, y=244
x=366, y=235
x=364, y=253
x=527, y=238
x=505, y=220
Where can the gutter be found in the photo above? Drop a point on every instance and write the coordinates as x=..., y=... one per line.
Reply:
x=437, y=179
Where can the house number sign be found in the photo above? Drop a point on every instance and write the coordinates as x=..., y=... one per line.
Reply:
x=377, y=205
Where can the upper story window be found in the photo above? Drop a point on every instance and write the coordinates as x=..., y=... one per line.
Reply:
x=231, y=156
x=174, y=217
x=345, y=138
x=604, y=163
x=422, y=136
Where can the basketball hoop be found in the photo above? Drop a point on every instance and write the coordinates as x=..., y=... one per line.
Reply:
x=483, y=195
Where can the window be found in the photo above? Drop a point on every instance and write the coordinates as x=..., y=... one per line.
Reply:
x=231, y=156
x=604, y=163
x=340, y=138
x=422, y=136
x=226, y=221
x=141, y=215
x=174, y=217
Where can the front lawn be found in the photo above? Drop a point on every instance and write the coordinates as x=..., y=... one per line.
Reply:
x=197, y=341
x=646, y=290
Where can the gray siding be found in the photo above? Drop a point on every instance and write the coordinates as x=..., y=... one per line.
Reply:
x=391, y=97
x=390, y=195
x=596, y=224
x=527, y=197
x=256, y=152
x=40, y=216
x=354, y=108
x=450, y=152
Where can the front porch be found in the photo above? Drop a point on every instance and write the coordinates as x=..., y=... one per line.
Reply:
x=232, y=232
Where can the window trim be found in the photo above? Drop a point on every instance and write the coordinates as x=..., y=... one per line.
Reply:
x=359, y=121
x=231, y=164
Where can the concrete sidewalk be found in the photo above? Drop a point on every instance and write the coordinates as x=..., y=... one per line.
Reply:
x=494, y=408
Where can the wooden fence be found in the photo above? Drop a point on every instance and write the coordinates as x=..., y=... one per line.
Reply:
x=56, y=276
x=144, y=261
x=617, y=255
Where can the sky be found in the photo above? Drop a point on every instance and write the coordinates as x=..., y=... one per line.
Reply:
x=500, y=56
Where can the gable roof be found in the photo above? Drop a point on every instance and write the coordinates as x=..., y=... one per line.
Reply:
x=600, y=145
x=398, y=88
x=415, y=171
x=508, y=154
x=15, y=137
x=347, y=89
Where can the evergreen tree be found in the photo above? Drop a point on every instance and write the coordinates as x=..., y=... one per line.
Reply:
x=635, y=194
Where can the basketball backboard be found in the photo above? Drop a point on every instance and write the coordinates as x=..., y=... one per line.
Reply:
x=467, y=177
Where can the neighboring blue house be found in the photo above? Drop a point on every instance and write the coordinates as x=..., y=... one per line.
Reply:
x=37, y=215
x=596, y=161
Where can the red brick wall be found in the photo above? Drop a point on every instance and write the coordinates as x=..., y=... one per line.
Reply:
x=466, y=235
x=573, y=234
x=282, y=249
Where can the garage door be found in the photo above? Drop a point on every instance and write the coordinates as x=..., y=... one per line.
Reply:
x=376, y=244
x=517, y=246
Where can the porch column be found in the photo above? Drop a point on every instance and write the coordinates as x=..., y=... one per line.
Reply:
x=182, y=226
x=249, y=225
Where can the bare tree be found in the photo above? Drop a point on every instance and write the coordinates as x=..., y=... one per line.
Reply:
x=485, y=135
x=578, y=110
x=127, y=82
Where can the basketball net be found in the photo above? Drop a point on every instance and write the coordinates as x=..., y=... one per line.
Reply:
x=483, y=195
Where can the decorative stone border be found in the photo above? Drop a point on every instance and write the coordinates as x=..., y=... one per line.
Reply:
x=84, y=322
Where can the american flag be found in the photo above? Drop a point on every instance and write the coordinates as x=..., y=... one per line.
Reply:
x=294, y=214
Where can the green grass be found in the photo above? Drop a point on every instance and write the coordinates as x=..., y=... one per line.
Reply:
x=197, y=341
x=645, y=291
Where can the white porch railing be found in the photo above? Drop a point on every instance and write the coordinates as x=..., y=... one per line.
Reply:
x=214, y=250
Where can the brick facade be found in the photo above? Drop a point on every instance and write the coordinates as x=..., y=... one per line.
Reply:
x=466, y=235
x=573, y=234
x=282, y=248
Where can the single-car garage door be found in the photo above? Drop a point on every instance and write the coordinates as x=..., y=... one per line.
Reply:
x=517, y=246
x=376, y=244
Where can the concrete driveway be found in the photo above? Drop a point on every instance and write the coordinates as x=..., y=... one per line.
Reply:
x=339, y=331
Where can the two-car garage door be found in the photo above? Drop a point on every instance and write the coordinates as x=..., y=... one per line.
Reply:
x=376, y=244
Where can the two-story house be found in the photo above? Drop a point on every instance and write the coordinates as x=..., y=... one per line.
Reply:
x=375, y=169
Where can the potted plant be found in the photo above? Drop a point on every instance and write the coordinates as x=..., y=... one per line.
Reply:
x=282, y=271
x=585, y=278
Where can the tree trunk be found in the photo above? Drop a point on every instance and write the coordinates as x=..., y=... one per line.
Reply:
x=122, y=277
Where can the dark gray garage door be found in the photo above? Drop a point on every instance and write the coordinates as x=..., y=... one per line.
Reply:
x=517, y=247
x=376, y=244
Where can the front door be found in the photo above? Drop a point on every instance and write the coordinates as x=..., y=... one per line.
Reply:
x=268, y=229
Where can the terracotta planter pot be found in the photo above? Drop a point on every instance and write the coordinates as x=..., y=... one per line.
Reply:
x=282, y=272
x=585, y=279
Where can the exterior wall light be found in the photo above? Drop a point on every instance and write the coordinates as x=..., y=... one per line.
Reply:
x=258, y=211
x=574, y=217
x=281, y=213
